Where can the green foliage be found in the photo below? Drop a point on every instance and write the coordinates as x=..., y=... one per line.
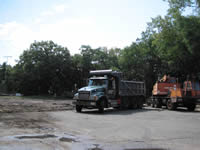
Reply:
x=45, y=66
x=99, y=58
x=132, y=62
x=179, y=6
x=6, y=78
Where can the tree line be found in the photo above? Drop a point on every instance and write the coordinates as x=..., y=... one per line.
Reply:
x=169, y=45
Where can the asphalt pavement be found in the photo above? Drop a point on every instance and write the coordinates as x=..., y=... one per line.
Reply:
x=142, y=129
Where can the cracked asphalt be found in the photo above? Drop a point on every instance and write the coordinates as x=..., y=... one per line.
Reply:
x=135, y=129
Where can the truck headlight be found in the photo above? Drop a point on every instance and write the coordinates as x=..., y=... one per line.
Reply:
x=75, y=96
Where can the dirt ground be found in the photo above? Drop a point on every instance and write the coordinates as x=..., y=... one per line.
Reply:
x=40, y=124
x=21, y=104
x=25, y=123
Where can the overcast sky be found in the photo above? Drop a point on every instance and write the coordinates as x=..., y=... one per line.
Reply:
x=72, y=23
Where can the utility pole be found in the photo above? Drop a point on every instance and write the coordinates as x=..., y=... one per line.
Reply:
x=7, y=57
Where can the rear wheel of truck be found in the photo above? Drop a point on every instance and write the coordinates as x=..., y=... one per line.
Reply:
x=78, y=108
x=171, y=105
x=122, y=105
x=153, y=103
x=130, y=105
x=140, y=103
x=191, y=107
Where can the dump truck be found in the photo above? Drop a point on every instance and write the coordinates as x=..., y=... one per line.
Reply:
x=171, y=93
x=106, y=88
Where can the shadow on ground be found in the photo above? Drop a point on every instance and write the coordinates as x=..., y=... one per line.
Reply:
x=112, y=111
x=184, y=110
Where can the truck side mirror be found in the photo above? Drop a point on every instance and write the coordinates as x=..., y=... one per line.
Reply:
x=87, y=81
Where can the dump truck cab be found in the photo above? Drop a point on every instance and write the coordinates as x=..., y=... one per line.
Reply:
x=102, y=85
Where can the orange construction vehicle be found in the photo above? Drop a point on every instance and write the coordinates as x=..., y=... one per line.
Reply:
x=169, y=92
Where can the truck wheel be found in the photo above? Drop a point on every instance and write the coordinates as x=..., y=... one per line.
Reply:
x=153, y=103
x=140, y=104
x=158, y=103
x=130, y=105
x=78, y=108
x=170, y=105
x=191, y=107
x=122, y=104
x=101, y=106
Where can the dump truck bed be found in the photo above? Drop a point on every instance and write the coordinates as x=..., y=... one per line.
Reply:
x=131, y=88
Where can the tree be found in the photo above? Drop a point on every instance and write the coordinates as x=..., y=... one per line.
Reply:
x=179, y=6
x=45, y=67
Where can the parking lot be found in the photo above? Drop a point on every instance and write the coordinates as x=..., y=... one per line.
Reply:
x=65, y=129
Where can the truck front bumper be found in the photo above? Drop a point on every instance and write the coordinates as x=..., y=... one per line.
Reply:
x=184, y=101
x=86, y=103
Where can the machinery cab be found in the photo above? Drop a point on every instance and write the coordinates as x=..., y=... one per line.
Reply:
x=191, y=88
x=187, y=88
x=163, y=86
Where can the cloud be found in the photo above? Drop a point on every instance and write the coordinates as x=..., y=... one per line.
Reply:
x=37, y=20
x=55, y=10
x=14, y=38
x=47, y=13
x=60, y=8
x=68, y=32
x=6, y=28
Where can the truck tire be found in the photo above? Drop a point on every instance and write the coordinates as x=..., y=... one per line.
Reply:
x=122, y=105
x=191, y=107
x=170, y=105
x=101, y=106
x=140, y=104
x=153, y=103
x=158, y=103
x=131, y=104
x=78, y=108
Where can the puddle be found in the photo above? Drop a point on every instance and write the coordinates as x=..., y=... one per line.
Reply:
x=96, y=147
x=45, y=136
x=66, y=139
x=80, y=142
x=145, y=149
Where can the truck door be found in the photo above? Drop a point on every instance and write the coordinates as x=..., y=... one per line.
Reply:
x=187, y=88
x=112, y=88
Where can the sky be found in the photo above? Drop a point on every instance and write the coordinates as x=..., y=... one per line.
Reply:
x=72, y=23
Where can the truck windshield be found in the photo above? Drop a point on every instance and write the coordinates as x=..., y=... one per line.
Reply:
x=97, y=82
